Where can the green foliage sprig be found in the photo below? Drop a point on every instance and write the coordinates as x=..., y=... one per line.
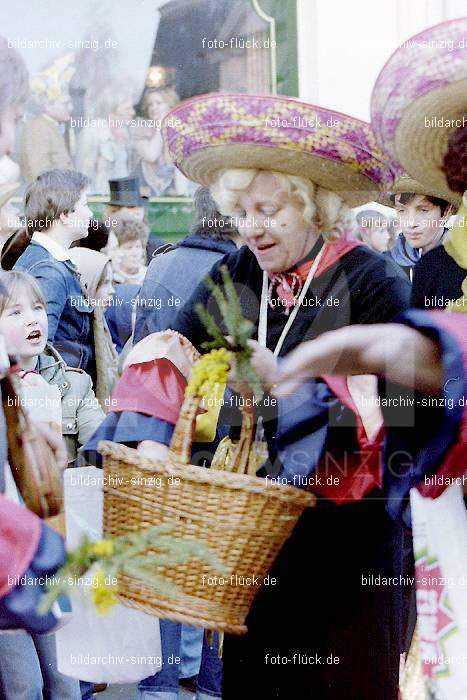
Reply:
x=139, y=554
x=239, y=329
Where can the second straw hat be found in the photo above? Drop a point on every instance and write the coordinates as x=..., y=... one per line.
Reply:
x=419, y=98
x=211, y=132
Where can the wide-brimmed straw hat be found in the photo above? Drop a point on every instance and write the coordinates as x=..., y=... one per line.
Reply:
x=211, y=132
x=404, y=184
x=419, y=98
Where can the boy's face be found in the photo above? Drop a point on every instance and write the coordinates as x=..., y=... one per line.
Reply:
x=78, y=219
x=419, y=220
x=24, y=325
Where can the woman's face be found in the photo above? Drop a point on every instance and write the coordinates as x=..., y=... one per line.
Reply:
x=156, y=106
x=24, y=325
x=112, y=250
x=106, y=289
x=272, y=225
x=131, y=256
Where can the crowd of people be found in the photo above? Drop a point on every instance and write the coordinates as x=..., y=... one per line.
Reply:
x=116, y=139
x=348, y=251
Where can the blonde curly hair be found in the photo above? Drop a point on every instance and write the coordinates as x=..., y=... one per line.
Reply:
x=322, y=207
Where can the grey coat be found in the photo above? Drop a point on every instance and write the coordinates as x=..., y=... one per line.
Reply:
x=81, y=412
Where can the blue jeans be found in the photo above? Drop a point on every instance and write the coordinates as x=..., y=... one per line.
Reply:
x=86, y=690
x=164, y=685
x=191, y=647
x=28, y=668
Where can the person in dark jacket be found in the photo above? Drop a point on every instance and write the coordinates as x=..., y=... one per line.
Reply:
x=174, y=274
x=120, y=314
x=126, y=202
x=438, y=277
x=421, y=218
x=419, y=250
x=358, y=279
x=437, y=280
x=57, y=214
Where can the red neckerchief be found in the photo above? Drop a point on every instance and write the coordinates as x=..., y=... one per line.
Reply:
x=288, y=285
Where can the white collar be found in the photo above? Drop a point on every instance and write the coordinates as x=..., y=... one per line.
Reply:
x=55, y=249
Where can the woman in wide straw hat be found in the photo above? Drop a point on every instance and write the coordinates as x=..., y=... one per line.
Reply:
x=287, y=172
x=425, y=350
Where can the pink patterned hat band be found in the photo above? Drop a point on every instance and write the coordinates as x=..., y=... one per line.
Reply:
x=216, y=131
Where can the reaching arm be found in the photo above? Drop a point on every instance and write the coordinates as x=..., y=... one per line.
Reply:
x=401, y=354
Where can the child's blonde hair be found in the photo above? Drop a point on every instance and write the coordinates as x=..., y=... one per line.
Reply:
x=15, y=282
x=322, y=207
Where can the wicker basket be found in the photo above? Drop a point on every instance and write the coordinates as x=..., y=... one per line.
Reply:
x=243, y=519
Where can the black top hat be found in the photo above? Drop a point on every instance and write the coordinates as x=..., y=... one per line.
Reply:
x=124, y=192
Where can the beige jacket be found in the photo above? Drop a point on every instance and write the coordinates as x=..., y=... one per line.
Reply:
x=43, y=148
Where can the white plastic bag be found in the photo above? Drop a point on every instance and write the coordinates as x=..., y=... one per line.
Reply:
x=440, y=547
x=122, y=646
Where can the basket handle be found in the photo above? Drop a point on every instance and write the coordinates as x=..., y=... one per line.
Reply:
x=182, y=438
